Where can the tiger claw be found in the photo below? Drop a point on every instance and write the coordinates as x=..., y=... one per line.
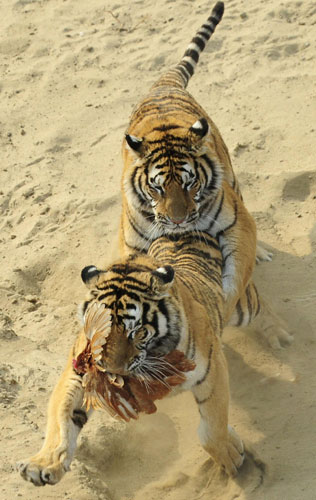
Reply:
x=263, y=255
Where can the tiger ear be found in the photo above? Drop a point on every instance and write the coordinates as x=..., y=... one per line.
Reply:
x=89, y=275
x=134, y=143
x=200, y=128
x=162, y=278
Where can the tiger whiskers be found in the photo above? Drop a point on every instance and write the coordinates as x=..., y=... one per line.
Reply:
x=152, y=234
x=164, y=364
x=210, y=218
x=151, y=369
x=143, y=377
x=160, y=366
x=200, y=235
x=150, y=217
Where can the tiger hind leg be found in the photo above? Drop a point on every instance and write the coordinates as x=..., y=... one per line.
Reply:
x=272, y=327
x=251, y=308
x=66, y=418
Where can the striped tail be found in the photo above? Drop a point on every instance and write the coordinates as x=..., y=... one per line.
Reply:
x=181, y=74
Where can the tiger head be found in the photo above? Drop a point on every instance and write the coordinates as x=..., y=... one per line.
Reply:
x=145, y=321
x=173, y=174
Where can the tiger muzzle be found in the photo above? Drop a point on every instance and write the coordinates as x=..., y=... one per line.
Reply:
x=118, y=352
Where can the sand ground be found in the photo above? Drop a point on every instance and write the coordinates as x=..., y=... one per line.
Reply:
x=70, y=75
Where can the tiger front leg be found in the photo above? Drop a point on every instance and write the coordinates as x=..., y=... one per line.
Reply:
x=66, y=418
x=238, y=247
x=216, y=436
x=234, y=276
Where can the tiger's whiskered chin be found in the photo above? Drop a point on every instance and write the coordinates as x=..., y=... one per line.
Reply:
x=171, y=227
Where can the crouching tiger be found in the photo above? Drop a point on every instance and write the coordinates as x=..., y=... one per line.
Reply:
x=170, y=299
x=178, y=174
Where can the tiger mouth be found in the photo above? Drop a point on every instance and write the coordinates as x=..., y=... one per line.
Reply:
x=171, y=227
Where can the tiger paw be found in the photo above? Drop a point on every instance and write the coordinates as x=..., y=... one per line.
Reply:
x=278, y=337
x=43, y=468
x=262, y=254
x=229, y=455
x=235, y=449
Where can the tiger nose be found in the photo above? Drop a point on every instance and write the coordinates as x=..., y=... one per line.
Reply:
x=177, y=220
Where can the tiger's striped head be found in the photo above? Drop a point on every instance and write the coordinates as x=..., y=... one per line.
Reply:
x=145, y=320
x=173, y=176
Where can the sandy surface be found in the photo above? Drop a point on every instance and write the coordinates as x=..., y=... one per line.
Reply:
x=70, y=73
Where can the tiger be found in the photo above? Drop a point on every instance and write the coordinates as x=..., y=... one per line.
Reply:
x=170, y=298
x=178, y=176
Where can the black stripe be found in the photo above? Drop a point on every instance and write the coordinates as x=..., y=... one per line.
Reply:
x=138, y=231
x=128, y=316
x=134, y=247
x=114, y=289
x=226, y=257
x=258, y=300
x=130, y=306
x=187, y=237
x=249, y=303
x=217, y=213
x=223, y=231
x=79, y=418
x=147, y=215
x=208, y=27
x=128, y=268
x=163, y=309
x=202, y=401
x=218, y=10
x=214, y=178
x=141, y=196
x=146, y=308
x=128, y=287
x=239, y=313
x=85, y=305
x=164, y=128
x=184, y=74
x=154, y=321
x=213, y=22
x=173, y=140
x=188, y=66
x=193, y=54
x=200, y=167
x=201, y=380
x=166, y=158
x=199, y=42
x=112, y=294
x=204, y=35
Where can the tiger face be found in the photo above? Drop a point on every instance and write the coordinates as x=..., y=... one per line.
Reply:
x=174, y=178
x=145, y=321
x=174, y=197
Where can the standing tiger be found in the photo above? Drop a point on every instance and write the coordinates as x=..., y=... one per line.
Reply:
x=178, y=175
x=170, y=299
